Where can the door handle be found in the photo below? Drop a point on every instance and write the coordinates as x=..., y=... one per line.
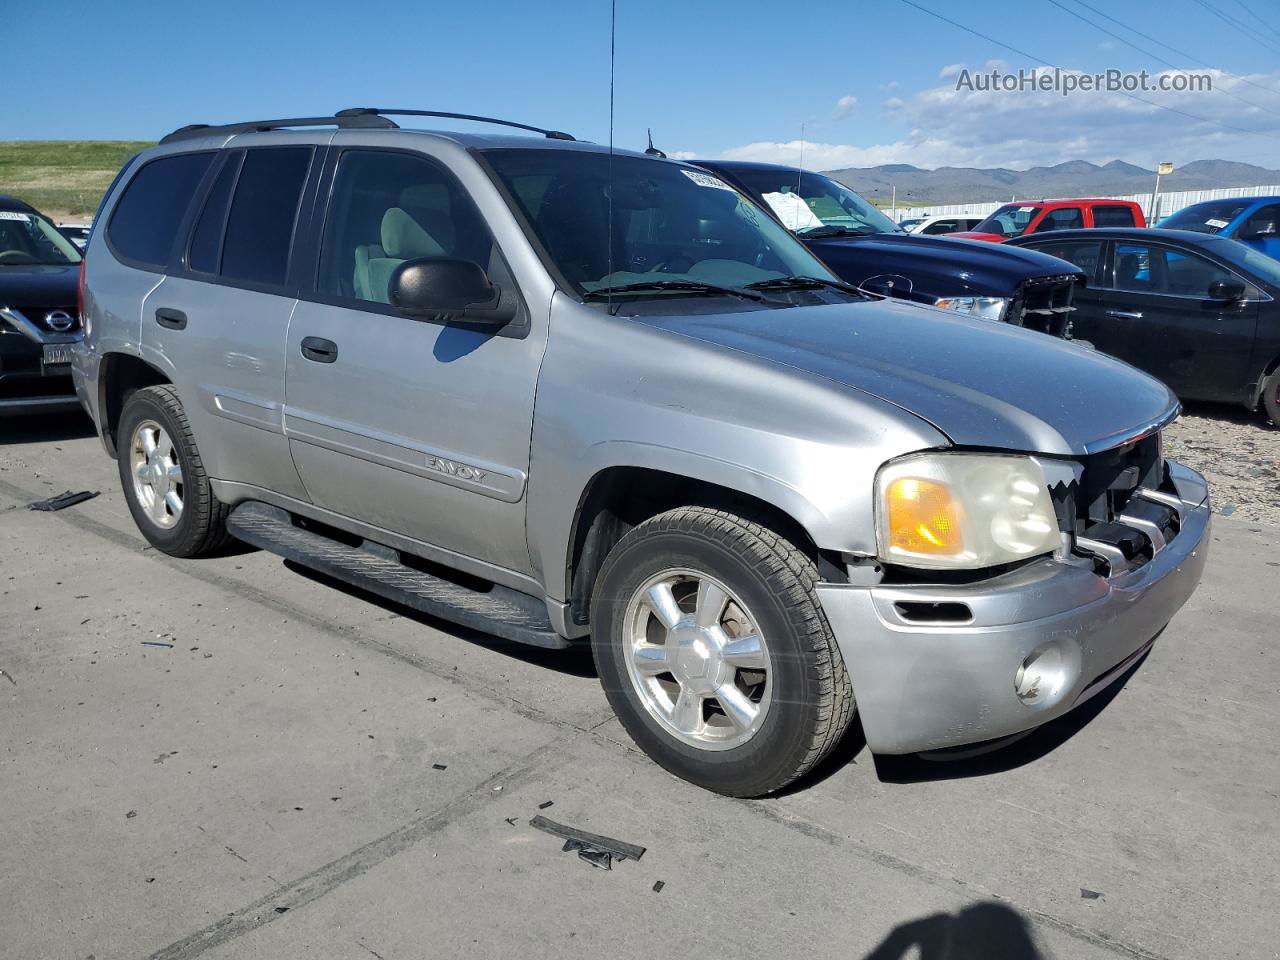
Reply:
x=319, y=349
x=173, y=319
x=1125, y=314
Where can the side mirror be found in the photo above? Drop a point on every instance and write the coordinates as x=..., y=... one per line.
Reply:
x=1226, y=290
x=438, y=288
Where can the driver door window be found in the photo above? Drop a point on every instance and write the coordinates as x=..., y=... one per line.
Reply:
x=387, y=208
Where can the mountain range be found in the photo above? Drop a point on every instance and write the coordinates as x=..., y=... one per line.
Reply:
x=1074, y=178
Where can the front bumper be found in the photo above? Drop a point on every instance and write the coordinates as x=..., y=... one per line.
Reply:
x=27, y=385
x=929, y=686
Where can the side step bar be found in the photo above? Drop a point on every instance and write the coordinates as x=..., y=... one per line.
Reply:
x=500, y=610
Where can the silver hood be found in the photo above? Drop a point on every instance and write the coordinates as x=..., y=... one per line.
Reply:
x=983, y=384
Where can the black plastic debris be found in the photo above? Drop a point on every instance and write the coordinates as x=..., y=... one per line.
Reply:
x=597, y=850
x=156, y=643
x=1089, y=894
x=545, y=804
x=597, y=858
x=63, y=500
x=658, y=885
x=439, y=766
x=282, y=909
x=8, y=676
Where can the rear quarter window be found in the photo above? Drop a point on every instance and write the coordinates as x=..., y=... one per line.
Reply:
x=145, y=222
x=1113, y=216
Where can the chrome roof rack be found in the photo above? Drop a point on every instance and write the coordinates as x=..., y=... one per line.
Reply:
x=359, y=121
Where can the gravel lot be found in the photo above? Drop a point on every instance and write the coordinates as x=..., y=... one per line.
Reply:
x=227, y=758
x=1239, y=453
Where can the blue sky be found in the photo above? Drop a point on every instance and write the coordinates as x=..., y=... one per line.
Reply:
x=869, y=78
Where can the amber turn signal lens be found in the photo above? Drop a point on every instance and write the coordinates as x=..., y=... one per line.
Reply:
x=923, y=517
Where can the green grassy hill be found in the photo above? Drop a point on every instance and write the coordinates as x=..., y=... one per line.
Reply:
x=62, y=177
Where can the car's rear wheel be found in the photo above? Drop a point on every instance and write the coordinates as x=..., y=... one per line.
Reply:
x=1271, y=396
x=163, y=476
x=715, y=654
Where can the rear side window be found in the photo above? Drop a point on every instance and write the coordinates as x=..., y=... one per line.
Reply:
x=145, y=221
x=1085, y=254
x=206, y=240
x=260, y=226
x=1114, y=216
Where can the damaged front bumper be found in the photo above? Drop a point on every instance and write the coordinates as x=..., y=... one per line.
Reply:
x=941, y=666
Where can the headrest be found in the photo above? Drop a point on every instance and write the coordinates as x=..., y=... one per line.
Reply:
x=403, y=237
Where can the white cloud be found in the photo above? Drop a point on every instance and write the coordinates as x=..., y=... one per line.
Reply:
x=844, y=106
x=683, y=155
x=950, y=70
x=950, y=127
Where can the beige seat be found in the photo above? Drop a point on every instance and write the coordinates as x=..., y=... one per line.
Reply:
x=403, y=238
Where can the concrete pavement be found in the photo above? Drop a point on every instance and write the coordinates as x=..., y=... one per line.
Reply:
x=228, y=758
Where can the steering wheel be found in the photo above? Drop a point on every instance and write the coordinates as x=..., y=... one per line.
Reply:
x=19, y=255
x=680, y=261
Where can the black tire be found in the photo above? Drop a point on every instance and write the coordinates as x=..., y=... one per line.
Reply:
x=1271, y=396
x=812, y=701
x=201, y=527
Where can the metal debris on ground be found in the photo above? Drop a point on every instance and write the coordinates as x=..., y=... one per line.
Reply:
x=156, y=643
x=1089, y=894
x=63, y=500
x=8, y=676
x=597, y=850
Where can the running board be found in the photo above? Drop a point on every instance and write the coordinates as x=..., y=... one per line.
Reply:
x=377, y=568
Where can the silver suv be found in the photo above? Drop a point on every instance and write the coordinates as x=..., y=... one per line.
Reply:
x=551, y=391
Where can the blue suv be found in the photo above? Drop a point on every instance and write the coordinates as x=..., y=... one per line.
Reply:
x=1251, y=220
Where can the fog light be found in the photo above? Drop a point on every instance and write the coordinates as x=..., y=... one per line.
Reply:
x=1042, y=676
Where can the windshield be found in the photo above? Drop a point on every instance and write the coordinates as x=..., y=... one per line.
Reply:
x=813, y=205
x=28, y=239
x=1011, y=220
x=1212, y=217
x=670, y=226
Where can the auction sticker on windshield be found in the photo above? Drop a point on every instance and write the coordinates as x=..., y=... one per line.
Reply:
x=12, y=215
x=706, y=180
x=1216, y=224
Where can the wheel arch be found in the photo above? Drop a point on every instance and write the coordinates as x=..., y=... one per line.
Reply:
x=617, y=498
x=119, y=375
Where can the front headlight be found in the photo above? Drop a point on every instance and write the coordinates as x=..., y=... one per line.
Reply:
x=963, y=511
x=988, y=308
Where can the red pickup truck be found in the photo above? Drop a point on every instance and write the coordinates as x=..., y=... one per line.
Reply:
x=1016, y=219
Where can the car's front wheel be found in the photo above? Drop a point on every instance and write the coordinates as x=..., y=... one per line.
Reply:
x=1271, y=396
x=163, y=476
x=715, y=654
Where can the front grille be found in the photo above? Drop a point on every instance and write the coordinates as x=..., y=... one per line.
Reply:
x=40, y=317
x=1044, y=304
x=1121, y=507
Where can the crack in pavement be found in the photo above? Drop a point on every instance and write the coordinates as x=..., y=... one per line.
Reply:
x=327, y=878
x=349, y=866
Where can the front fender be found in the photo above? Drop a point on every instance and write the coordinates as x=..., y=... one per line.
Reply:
x=618, y=393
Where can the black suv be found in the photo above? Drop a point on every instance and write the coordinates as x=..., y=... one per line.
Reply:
x=867, y=249
x=39, y=313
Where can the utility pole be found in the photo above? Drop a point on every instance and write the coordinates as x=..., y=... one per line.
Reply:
x=1163, y=169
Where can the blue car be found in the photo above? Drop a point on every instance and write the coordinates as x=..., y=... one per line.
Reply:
x=1251, y=220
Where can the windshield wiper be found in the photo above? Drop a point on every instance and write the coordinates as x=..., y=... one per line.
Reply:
x=833, y=231
x=689, y=286
x=804, y=283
